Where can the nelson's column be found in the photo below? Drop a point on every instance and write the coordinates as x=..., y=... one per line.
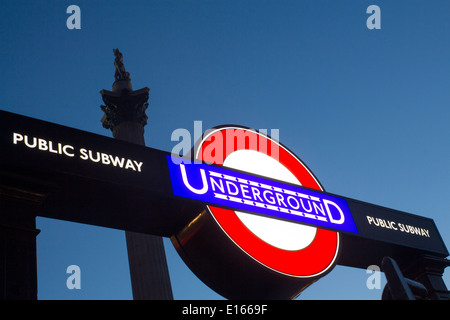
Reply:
x=125, y=115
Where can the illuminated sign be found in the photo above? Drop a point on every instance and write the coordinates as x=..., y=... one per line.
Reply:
x=239, y=191
x=283, y=239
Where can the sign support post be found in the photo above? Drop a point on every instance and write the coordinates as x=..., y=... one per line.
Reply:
x=125, y=116
x=18, y=270
x=428, y=270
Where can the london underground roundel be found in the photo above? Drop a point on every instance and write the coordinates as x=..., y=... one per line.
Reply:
x=246, y=256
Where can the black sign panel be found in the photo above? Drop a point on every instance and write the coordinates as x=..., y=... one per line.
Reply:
x=92, y=178
x=34, y=143
x=396, y=227
x=106, y=182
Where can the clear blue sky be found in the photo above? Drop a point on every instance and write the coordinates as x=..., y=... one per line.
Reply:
x=367, y=110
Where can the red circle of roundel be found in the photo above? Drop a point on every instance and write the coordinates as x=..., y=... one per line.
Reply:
x=313, y=260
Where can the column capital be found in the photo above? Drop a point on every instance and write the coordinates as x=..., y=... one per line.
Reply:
x=125, y=106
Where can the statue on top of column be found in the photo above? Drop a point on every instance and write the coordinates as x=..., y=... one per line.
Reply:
x=121, y=73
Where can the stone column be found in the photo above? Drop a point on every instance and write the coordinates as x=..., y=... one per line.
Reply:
x=125, y=115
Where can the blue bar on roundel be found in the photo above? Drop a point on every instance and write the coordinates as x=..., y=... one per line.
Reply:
x=239, y=191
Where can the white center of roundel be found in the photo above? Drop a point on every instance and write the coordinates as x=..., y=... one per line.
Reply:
x=278, y=233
